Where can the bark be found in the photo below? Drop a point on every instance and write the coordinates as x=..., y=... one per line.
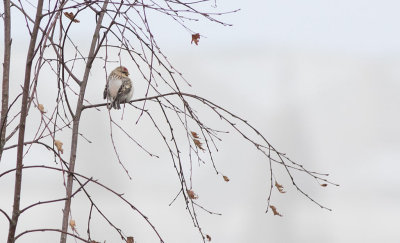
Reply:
x=6, y=74
x=22, y=123
x=75, y=128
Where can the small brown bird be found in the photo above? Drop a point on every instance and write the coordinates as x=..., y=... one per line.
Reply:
x=118, y=88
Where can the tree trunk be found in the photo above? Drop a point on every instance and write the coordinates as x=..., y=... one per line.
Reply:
x=75, y=128
x=22, y=122
x=6, y=74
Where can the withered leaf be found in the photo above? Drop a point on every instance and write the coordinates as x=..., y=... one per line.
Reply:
x=129, y=239
x=226, y=178
x=194, y=134
x=198, y=144
x=191, y=194
x=59, y=145
x=72, y=224
x=208, y=237
x=195, y=38
x=71, y=16
x=275, y=211
x=279, y=187
x=324, y=185
x=41, y=108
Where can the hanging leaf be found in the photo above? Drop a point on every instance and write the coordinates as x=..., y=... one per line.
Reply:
x=195, y=38
x=324, y=185
x=41, y=108
x=192, y=195
x=71, y=16
x=275, y=211
x=194, y=134
x=226, y=178
x=59, y=145
x=279, y=187
x=208, y=237
x=129, y=239
x=72, y=224
x=198, y=144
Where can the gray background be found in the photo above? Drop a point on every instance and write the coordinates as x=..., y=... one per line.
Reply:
x=319, y=78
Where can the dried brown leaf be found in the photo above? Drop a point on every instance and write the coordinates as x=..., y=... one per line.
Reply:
x=324, y=185
x=208, y=237
x=129, y=239
x=226, y=178
x=191, y=194
x=194, y=134
x=41, y=108
x=72, y=224
x=198, y=144
x=195, y=38
x=59, y=145
x=279, y=187
x=275, y=211
x=71, y=16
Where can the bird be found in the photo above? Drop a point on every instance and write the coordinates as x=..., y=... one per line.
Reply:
x=118, y=88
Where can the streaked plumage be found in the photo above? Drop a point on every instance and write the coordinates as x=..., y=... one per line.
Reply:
x=119, y=88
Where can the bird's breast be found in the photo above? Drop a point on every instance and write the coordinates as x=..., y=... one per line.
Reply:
x=114, y=86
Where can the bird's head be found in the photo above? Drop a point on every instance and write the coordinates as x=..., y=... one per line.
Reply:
x=122, y=71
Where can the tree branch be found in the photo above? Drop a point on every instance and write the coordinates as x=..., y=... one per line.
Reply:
x=6, y=74
x=75, y=128
x=21, y=135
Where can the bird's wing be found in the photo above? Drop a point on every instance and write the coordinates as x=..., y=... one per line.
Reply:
x=125, y=88
x=105, y=92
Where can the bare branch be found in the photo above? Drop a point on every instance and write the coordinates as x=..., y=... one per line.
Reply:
x=122, y=35
x=22, y=123
x=6, y=74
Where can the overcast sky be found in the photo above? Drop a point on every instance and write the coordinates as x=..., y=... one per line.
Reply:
x=319, y=78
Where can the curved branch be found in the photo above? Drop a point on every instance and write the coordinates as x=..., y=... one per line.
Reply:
x=56, y=200
x=119, y=195
x=55, y=230
x=6, y=215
